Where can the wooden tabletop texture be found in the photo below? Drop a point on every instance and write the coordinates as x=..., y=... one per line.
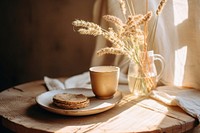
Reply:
x=20, y=113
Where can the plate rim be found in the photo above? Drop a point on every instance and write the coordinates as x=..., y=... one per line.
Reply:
x=82, y=112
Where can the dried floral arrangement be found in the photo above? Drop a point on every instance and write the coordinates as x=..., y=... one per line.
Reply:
x=129, y=38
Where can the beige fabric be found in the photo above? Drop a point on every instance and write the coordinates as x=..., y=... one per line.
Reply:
x=187, y=99
x=176, y=39
x=80, y=81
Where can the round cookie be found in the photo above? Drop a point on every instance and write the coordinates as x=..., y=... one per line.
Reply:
x=71, y=101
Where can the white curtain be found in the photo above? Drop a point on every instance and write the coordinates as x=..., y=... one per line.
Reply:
x=177, y=38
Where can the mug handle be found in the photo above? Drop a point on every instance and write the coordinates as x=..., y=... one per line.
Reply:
x=162, y=61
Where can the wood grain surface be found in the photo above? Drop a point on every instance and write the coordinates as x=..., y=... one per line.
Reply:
x=20, y=113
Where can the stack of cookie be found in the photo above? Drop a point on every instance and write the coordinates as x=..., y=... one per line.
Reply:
x=71, y=101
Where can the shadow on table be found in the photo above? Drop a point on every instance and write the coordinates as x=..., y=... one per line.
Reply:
x=3, y=129
x=129, y=108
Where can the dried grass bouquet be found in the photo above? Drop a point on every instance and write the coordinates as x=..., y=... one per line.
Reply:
x=129, y=37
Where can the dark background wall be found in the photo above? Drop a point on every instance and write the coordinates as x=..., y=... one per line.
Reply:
x=37, y=39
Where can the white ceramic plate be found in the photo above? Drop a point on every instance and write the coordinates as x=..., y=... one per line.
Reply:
x=45, y=100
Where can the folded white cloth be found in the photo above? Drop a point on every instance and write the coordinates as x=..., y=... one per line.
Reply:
x=53, y=84
x=80, y=81
x=83, y=80
x=187, y=99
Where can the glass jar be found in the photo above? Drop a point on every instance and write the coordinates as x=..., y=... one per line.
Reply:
x=142, y=74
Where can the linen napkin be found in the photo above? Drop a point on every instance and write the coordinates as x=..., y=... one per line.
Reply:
x=53, y=84
x=80, y=81
x=186, y=98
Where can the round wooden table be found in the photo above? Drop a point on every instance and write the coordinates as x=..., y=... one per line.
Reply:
x=20, y=113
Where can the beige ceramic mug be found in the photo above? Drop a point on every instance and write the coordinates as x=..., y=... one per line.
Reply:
x=104, y=81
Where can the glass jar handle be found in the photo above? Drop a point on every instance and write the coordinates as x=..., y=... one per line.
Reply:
x=161, y=59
